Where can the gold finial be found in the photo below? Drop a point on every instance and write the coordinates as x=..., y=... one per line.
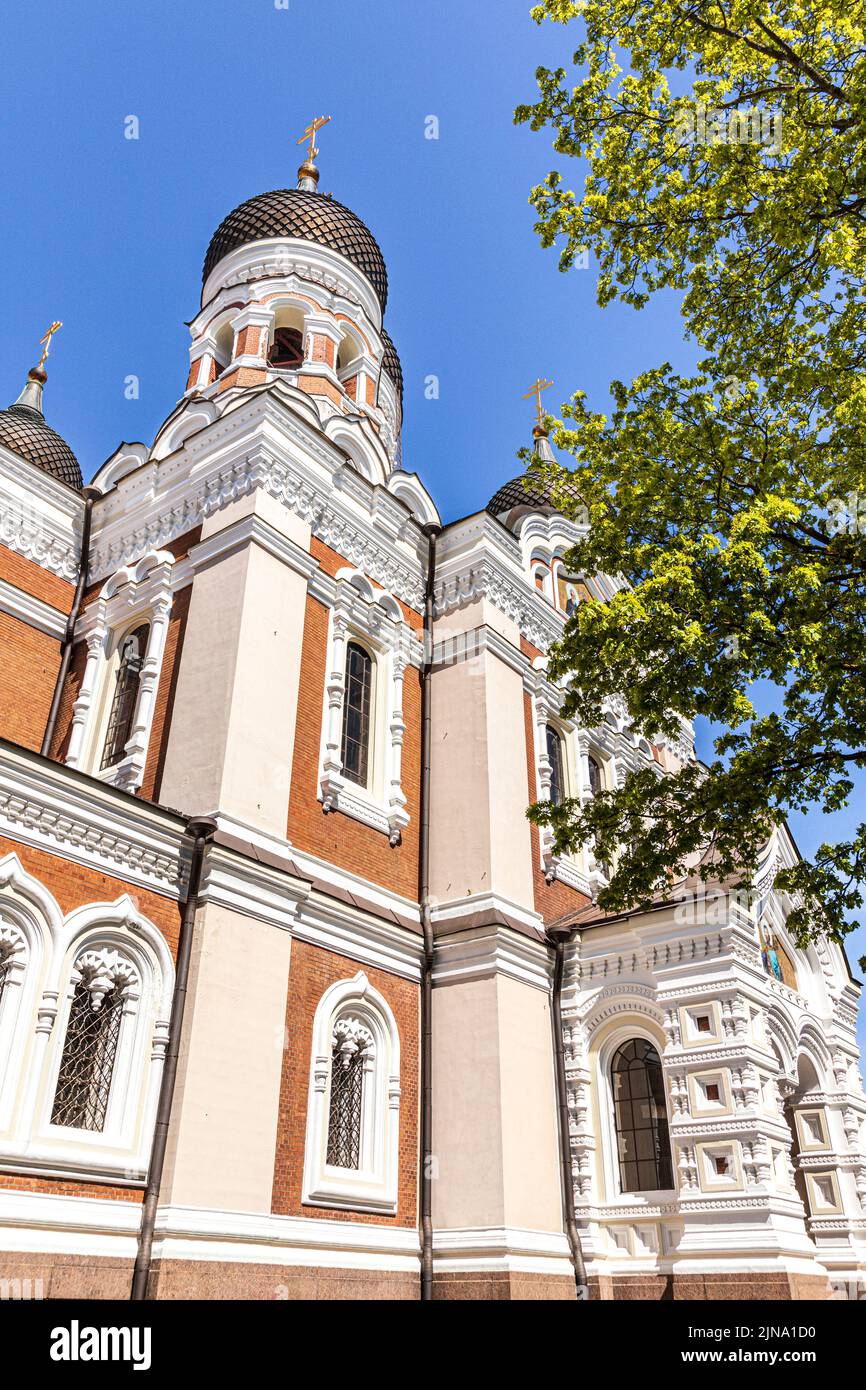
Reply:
x=535, y=390
x=310, y=134
x=47, y=341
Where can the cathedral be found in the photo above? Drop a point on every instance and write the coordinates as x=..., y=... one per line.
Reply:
x=295, y=1002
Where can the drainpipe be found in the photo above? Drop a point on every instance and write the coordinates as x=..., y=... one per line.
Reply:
x=201, y=828
x=559, y=940
x=90, y=496
x=426, y=1137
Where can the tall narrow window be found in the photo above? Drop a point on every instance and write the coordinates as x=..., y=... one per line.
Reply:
x=554, y=757
x=595, y=782
x=5, y=967
x=640, y=1114
x=346, y=1110
x=356, y=714
x=87, y=1064
x=125, y=698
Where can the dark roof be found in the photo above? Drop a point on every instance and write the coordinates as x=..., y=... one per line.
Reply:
x=391, y=363
x=526, y=492
x=306, y=216
x=518, y=494
x=24, y=432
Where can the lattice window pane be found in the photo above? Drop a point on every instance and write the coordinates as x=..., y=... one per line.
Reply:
x=345, y=1114
x=643, y=1141
x=87, y=1064
x=125, y=698
x=356, y=713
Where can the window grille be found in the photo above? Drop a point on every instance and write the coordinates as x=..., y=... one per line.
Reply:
x=640, y=1114
x=356, y=713
x=125, y=698
x=87, y=1064
x=346, y=1104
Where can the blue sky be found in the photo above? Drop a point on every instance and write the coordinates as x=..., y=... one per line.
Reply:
x=108, y=234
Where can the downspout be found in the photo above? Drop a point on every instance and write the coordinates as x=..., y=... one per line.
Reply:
x=559, y=940
x=90, y=496
x=425, y=1177
x=201, y=828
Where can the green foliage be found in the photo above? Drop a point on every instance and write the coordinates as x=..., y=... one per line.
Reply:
x=732, y=501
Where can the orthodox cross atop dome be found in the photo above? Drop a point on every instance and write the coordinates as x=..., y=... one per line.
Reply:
x=535, y=390
x=308, y=174
x=46, y=339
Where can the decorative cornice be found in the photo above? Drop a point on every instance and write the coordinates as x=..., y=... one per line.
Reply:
x=49, y=807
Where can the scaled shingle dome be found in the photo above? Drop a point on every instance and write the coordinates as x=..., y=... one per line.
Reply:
x=305, y=216
x=517, y=494
x=391, y=363
x=23, y=432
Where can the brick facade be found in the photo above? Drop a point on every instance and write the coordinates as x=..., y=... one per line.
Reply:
x=311, y=972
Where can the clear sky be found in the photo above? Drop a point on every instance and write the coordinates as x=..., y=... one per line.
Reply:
x=108, y=234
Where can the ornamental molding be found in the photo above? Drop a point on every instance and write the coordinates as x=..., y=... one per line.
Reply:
x=31, y=526
x=47, y=807
x=361, y=543
x=488, y=578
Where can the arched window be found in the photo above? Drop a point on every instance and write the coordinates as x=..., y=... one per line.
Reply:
x=351, y=1153
x=89, y=1050
x=557, y=772
x=127, y=681
x=595, y=778
x=287, y=349
x=351, y=1054
x=356, y=714
x=640, y=1116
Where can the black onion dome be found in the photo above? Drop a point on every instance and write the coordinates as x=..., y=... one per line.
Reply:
x=518, y=494
x=304, y=216
x=23, y=431
x=391, y=363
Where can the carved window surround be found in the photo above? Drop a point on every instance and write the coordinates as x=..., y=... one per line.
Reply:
x=374, y=618
x=372, y=1186
x=106, y=944
x=134, y=594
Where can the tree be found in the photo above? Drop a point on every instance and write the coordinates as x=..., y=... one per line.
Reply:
x=725, y=149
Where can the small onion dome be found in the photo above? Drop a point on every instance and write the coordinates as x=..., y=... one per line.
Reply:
x=391, y=364
x=301, y=214
x=23, y=432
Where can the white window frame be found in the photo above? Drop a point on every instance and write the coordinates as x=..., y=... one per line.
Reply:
x=610, y=1173
x=372, y=618
x=373, y=1186
x=134, y=595
x=29, y=1141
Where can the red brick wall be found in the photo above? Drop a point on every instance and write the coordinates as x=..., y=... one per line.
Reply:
x=29, y=659
x=338, y=838
x=15, y=1182
x=312, y=971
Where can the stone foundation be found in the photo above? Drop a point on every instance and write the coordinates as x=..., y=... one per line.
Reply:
x=485, y=1286
x=720, y=1288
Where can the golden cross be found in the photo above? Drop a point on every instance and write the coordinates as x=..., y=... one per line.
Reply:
x=47, y=340
x=310, y=134
x=535, y=390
